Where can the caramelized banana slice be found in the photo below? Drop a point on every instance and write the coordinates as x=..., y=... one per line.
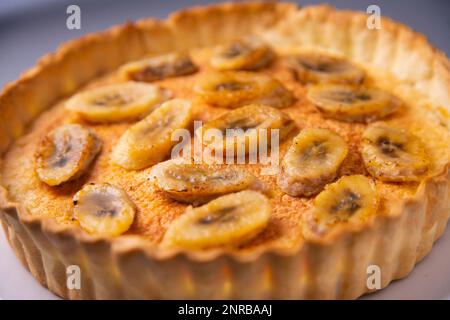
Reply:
x=66, y=153
x=348, y=103
x=236, y=89
x=228, y=220
x=150, y=140
x=103, y=209
x=159, y=68
x=117, y=102
x=199, y=183
x=248, y=53
x=244, y=127
x=312, y=161
x=392, y=154
x=321, y=68
x=350, y=199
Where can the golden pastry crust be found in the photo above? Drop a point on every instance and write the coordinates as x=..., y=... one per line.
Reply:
x=113, y=268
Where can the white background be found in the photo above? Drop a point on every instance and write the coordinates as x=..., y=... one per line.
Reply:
x=430, y=279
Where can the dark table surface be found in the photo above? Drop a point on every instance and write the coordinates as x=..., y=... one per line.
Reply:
x=31, y=28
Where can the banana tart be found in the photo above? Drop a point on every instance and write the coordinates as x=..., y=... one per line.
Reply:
x=115, y=156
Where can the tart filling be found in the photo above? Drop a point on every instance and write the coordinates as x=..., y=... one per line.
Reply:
x=228, y=220
x=117, y=102
x=103, y=209
x=159, y=68
x=66, y=153
x=199, y=183
x=311, y=67
x=312, y=161
x=237, y=89
x=351, y=199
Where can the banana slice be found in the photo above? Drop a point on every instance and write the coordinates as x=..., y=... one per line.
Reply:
x=117, y=102
x=312, y=161
x=66, y=153
x=199, y=183
x=159, y=68
x=243, y=127
x=350, y=199
x=321, y=68
x=234, y=89
x=228, y=220
x=348, y=103
x=150, y=140
x=392, y=154
x=247, y=53
x=103, y=209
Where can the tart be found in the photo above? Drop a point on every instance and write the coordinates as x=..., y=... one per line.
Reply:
x=90, y=175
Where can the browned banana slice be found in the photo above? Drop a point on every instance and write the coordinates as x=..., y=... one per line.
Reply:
x=150, y=140
x=322, y=68
x=392, y=154
x=348, y=103
x=199, y=183
x=312, y=161
x=118, y=102
x=247, y=53
x=236, y=89
x=244, y=127
x=66, y=153
x=350, y=199
x=103, y=209
x=159, y=68
x=228, y=220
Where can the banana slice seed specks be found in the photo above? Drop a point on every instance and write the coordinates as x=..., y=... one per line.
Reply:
x=321, y=68
x=103, y=209
x=159, y=68
x=242, y=128
x=312, y=161
x=234, y=89
x=118, y=102
x=199, y=183
x=150, y=140
x=66, y=153
x=350, y=199
x=392, y=154
x=228, y=220
x=353, y=104
x=248, y=53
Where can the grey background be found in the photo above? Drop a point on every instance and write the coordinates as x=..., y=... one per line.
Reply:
x=31, y=28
